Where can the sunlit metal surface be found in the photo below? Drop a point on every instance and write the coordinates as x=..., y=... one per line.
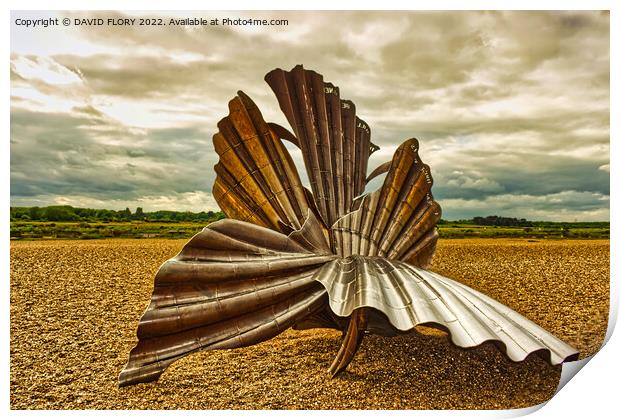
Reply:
x=332, y=257
x=411, y=296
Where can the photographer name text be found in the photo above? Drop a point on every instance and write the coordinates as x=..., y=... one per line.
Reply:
x=120, y=22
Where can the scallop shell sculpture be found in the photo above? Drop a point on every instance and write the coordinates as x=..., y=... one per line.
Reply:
x=332, y=257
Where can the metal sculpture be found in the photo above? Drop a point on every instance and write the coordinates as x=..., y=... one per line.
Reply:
x=332, y=258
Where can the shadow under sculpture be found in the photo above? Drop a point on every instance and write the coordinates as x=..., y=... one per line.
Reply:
x=332, y=257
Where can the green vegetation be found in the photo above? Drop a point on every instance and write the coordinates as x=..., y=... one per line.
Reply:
x=508, y=227
x=74, y=214
x=66, y=222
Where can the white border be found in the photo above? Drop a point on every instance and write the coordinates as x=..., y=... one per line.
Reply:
x=592, y=394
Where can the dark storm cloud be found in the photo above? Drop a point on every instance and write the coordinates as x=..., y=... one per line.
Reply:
x=509, y=107
x=58, y=154
x=523, y=174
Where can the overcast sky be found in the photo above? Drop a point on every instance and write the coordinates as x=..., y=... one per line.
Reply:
x=511, y=109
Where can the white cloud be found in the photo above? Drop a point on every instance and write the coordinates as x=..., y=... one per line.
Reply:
x=44, y=69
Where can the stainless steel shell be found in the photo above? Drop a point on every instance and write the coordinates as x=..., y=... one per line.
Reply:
x=410, y=296
x=328, y=258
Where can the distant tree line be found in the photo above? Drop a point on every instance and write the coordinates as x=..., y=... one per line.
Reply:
x=500, y=221
x=491, y=221
x=77, y=214
x=69, y=214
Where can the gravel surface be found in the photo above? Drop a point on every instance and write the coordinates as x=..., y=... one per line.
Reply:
x=75, y=306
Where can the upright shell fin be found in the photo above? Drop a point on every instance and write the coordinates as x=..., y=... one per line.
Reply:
x=398, y=221
x=256, y=178
x=334, y=142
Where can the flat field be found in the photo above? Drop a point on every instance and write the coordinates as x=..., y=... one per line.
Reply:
x=75, y=306
x=40, y=230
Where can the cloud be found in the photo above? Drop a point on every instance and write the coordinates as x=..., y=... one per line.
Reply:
x=188, y=201
x=475, y=183
x=505, y=104
x=87, y=154
x=566, y=206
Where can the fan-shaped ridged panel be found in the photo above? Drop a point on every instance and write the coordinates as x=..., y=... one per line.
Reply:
x=234, y=284
x=410, y=296
x=334, y=142
x=256, y=179
x=398, y=221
